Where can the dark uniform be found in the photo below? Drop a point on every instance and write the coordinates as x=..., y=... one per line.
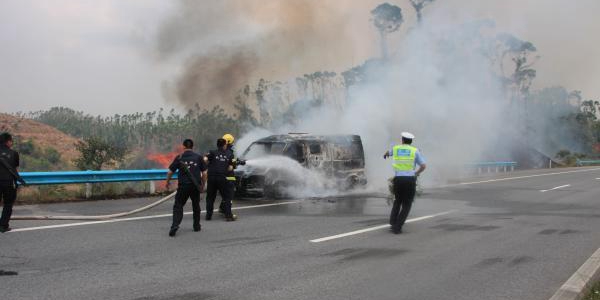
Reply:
x=8, y=188
x=230, y=177
x=186, y=187
x=219, y=162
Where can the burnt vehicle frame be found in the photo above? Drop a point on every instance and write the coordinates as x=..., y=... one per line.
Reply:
x=337, y=157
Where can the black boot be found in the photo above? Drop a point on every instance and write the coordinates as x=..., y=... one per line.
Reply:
x=197, y=227
x=173, y=231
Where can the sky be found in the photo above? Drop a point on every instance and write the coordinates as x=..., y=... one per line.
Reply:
x=105, y=56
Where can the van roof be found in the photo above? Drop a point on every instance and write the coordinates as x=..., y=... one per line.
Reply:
x=308, y=137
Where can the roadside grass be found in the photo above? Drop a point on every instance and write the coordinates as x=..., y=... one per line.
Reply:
x=76, y=192
x=594, y=293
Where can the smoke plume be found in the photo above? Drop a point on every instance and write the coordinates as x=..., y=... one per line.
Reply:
x=227, y=44
x=439, y=82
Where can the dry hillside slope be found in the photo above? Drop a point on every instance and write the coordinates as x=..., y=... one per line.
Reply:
x=42, y=135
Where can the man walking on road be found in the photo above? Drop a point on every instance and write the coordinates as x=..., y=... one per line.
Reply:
x=191, y=180
x=8, y=178
x=405, y=159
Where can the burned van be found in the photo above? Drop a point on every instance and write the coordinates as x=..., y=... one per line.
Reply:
x=336, y=158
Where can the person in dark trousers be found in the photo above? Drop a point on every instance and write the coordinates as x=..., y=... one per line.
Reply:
x=8, y=180
x=191, y=180
x=220, y=164
x=229, y=139
x=405, y=159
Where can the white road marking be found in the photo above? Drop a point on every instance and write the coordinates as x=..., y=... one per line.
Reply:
x=520, y=177
x=135, y=218
x=337, y=236
x=555, y=188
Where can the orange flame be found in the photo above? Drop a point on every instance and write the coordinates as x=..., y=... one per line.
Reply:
x=165, y=159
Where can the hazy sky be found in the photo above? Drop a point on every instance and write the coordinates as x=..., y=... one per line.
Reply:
x=100, y=56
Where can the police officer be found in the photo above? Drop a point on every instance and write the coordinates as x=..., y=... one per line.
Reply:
x=405, y=159
x=8, y=178
x=220, y=165
x=191, y=180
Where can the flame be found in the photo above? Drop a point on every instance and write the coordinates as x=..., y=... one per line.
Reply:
x=165, y=159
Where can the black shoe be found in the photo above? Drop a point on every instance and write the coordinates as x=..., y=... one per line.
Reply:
x=397, y=230
x=231, y=218
x=173, y=231
x=197, y=227
x=5, y=229
x=208, y=217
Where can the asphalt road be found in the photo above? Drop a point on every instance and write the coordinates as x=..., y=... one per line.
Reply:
x=520, y=238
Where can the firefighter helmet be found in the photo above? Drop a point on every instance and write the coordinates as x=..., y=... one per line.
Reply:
x=228, y=138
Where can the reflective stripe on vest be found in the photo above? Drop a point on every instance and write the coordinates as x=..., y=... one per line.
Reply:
x=404, y=157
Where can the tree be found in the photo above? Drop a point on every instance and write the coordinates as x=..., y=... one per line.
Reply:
x=590, y=108
x=418, y=5
x=96, y=153
x=518, y=51
x=387, y=18
x=52, y=155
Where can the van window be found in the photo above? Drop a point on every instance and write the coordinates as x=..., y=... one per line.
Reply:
x=315, y=149
x=261, y=149
x=299, y=153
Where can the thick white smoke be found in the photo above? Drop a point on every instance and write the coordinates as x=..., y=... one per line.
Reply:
x=438, y=86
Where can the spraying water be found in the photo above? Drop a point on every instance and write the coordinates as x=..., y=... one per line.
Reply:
x=296, y=180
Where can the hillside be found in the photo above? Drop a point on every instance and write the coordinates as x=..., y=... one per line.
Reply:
x=41, y=135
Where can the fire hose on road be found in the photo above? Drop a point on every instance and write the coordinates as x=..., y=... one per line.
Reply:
x=99, y=217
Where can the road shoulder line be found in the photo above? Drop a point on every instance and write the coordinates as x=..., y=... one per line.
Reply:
x=135, y=218
x=581, y=282
x=520, y=177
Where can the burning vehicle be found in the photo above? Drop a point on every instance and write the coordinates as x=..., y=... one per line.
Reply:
x=336, y=159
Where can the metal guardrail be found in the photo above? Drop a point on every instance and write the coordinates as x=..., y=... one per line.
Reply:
x=70, y=177
x=581, y=163
x=89, y=177
x=504, y=166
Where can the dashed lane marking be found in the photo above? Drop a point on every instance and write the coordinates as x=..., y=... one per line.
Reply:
x=135, y=218
x=337, y=236
x=555, y=188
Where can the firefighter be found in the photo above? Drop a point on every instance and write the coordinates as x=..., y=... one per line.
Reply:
x=191, y=180
x=229, y=139
x=220, y=165
x=405, y=159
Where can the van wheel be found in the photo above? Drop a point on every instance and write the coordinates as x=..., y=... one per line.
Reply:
x=351, y=182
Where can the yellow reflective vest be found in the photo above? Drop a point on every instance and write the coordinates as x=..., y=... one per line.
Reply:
x=404, y=158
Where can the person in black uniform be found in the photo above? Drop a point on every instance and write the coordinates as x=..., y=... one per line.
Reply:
x=220, y=164
x=8, y=185
x=191, y=180
x=229, y=139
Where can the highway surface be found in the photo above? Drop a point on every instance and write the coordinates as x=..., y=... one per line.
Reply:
x=490, y=238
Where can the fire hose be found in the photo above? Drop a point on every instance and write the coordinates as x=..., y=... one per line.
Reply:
x=99, y=217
